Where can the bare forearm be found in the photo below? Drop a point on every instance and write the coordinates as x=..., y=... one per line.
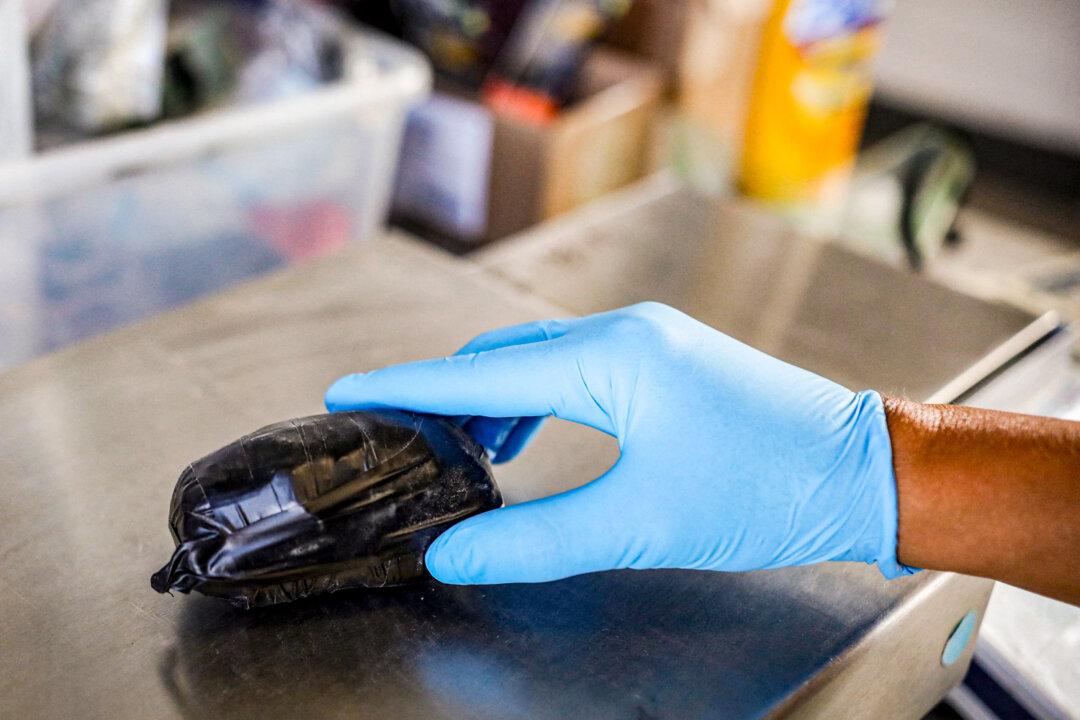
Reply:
x=988, y=493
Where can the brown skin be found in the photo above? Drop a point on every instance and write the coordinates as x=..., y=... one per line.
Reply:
x=988, y=493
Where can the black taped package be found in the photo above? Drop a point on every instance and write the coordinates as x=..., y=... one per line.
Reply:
x=320, y=504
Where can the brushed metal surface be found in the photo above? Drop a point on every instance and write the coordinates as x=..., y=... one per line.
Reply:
x=91, y=441
x=747, y=273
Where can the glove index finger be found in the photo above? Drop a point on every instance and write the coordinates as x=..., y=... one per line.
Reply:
x=537, y=379
x=524, y=334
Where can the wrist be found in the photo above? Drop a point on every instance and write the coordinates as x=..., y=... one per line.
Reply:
x=911, y=428
x=987, y=493
x=879, y=539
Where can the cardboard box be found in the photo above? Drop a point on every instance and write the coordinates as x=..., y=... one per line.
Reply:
x=655, y=30
x=688, y=40
x=471, y=176
x=708, y=50
x=718, y=61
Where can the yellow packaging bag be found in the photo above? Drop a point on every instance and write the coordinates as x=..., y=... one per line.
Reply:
x=809, y=101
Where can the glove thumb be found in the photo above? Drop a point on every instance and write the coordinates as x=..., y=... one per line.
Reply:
x=569, y=534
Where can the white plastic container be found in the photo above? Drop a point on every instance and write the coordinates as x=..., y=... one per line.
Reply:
x=100, y=233
x=15, y=131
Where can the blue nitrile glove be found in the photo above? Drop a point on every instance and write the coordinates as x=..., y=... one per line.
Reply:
x=730, y=459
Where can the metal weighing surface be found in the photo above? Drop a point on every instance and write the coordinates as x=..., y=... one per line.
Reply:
x=747, y=273
x=92, y=439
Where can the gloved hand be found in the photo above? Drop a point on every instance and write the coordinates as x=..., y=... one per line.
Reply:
x=730, y=459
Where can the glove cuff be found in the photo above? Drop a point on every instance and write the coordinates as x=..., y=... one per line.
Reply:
x=889, y=510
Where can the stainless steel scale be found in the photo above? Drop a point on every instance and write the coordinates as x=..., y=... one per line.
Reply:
x=92, y=438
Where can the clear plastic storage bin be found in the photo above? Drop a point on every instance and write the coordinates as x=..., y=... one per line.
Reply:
x=103, y=232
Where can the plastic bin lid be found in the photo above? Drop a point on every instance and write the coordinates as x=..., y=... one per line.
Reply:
x=381, y=75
